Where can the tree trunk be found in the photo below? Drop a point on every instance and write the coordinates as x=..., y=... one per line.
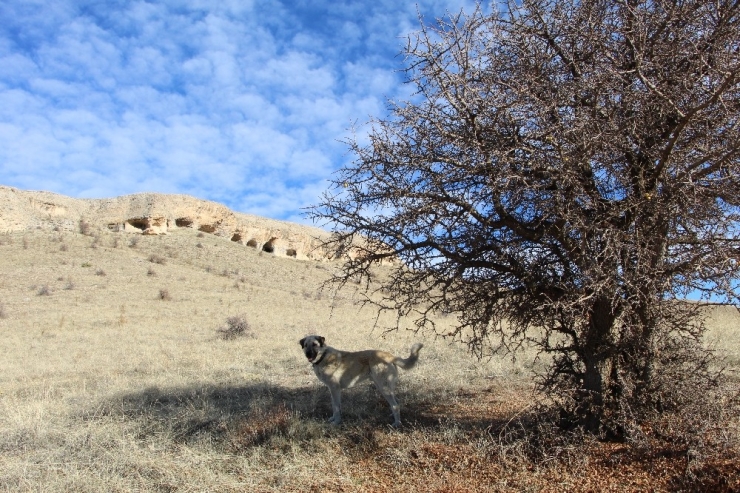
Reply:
x=595, y=354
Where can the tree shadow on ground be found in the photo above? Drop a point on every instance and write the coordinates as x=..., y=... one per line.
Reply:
x=440, y=428
x=255, y=413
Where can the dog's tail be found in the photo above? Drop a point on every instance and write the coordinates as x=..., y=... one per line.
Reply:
x=409, y=362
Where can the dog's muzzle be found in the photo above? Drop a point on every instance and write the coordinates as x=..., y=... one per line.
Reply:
x=311, y=354
x=314, y=358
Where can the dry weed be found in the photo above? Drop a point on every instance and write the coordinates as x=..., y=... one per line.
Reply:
x=157, y=259
x=85, y=227
x=236, y=326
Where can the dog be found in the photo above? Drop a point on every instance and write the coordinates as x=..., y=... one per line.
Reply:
x=343, y=369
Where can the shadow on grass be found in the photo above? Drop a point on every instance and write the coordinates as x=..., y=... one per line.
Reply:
x=441, y=429
x=240, y=416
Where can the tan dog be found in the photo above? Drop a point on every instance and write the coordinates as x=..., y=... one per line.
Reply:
x=343, y=369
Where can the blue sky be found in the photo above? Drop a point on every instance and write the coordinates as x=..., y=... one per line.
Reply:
x=238, y=101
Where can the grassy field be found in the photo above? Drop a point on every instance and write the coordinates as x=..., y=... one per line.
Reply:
x=116, y=375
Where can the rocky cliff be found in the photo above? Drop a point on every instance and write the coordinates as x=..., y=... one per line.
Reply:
x=154, y=214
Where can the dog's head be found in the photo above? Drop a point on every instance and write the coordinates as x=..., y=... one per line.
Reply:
x=312, y=347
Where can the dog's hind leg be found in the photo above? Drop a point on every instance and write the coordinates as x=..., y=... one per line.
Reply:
x=395, y=408
x=386, y=380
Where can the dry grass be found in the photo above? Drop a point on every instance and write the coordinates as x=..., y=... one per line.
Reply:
x=105, y=388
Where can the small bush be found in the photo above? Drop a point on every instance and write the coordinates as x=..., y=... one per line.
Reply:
x=85, y=227
x=164, y=295
x=44, y=290
x=63, y=247
x=70, y=285
x=3, y=314
x=157, y=259
x=100, y=272
x=151, y=272
x=236, y=326
x=133, y=242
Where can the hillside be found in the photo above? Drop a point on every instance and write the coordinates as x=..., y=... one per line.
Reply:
x=154, y=214
x=119, y=372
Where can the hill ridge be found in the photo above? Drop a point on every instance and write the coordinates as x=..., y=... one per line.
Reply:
x=151, y=213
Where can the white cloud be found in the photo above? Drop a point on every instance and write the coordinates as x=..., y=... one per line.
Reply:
x=237, y=101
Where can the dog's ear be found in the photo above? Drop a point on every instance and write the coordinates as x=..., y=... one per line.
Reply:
x=302, y=341
x=321, y=340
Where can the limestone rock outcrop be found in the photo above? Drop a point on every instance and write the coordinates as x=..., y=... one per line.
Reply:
x=154, y=214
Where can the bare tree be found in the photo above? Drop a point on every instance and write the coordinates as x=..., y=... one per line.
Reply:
x=564, y=173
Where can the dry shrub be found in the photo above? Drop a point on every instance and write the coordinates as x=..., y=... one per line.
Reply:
x=164, y=295
x=236, y=326
x=157, y=259
x=3, y=313
x=44, y=290
x=696, y=417
x=85, y=227
x=695, y=437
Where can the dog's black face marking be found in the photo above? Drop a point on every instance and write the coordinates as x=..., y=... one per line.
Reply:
x=311, y=345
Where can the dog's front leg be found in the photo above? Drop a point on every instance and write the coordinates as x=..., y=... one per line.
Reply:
x=336, y=404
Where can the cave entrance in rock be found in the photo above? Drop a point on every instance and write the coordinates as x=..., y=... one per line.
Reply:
x=269, y=246
x=141, y=224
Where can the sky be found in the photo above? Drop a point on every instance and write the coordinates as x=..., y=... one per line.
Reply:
x=243, y=102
